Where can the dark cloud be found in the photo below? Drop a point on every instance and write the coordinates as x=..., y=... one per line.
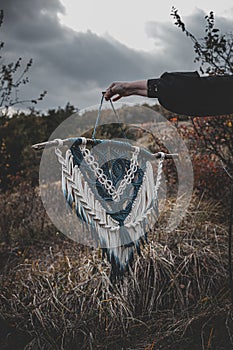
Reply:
x=172, y=43
x=76, y=66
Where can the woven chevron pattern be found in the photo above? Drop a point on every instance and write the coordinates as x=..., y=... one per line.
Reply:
x=117, y=226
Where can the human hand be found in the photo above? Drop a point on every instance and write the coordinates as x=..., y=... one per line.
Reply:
x=122, y=89
x=118, y=89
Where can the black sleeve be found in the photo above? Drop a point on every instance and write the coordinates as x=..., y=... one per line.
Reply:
x=188, y=93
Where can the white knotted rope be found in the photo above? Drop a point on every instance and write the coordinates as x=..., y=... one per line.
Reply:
x=159, y=174
x=102, y=178
x=88, y=206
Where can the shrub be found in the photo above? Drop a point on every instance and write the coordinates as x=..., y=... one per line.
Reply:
x=209, y=148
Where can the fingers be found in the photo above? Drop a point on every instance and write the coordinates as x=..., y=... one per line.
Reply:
x=116, y=98
x=112, y=90
x=109, y=92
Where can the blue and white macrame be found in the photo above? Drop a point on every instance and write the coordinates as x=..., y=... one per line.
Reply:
x=111, y=187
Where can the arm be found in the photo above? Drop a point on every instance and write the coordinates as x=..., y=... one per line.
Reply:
x=183, y=93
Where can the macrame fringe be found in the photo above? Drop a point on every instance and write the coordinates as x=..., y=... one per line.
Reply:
x=117, y=242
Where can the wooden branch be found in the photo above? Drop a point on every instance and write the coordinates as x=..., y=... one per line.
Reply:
x=78, y=141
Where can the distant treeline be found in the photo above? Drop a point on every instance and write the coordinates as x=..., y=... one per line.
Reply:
x=18, y=132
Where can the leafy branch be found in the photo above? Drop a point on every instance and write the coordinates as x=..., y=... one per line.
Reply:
x=214, y=51
x=12, y=76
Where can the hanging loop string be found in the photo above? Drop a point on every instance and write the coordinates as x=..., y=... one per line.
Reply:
x=98, y=117
x=118, y=119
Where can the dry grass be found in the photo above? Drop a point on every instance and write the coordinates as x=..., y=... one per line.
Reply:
x=59, y=296
x=23, y=217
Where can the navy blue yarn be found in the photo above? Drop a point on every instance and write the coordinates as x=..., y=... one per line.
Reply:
x=114, y=169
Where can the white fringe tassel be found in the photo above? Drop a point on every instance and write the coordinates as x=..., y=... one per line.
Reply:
x=118, y=241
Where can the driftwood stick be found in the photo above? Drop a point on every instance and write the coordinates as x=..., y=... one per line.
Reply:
x=53, y=143
x=78, y=141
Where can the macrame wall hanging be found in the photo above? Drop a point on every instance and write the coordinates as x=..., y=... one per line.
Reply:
x=110, y=186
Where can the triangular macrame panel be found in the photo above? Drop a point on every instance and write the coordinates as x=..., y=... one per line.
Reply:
x=120, y=225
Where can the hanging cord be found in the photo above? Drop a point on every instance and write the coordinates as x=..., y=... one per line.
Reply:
x=99, y=113
x=98, y=116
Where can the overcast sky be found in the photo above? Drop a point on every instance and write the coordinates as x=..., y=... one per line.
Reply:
x=80, y=47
